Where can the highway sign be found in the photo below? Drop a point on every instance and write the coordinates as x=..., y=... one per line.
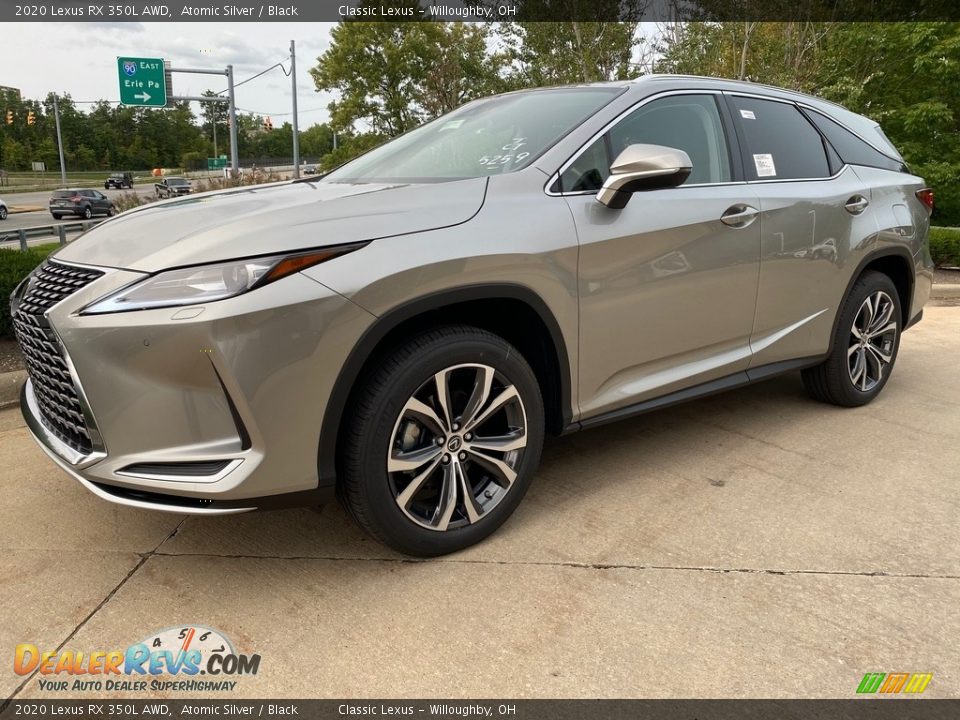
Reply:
x=143, y=82
x=216, y=162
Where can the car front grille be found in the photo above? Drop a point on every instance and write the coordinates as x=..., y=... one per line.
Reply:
x=53, y=386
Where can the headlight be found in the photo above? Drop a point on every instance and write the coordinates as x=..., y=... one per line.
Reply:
x=208, y=283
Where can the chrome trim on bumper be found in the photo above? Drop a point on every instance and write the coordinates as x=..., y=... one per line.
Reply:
x=231, y=466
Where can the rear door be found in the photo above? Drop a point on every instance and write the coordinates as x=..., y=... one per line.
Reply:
x=815, y=220
x=667, y=284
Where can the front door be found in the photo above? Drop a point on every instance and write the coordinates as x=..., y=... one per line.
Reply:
x=668, y=284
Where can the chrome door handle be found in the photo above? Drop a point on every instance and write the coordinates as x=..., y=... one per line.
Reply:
x=856, y=205
x=739, y=216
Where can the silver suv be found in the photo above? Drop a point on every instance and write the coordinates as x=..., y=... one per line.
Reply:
x=404, y=331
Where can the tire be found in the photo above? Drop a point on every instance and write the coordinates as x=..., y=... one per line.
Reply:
x=87, y=213
x=111, y=211
x=3, y=213
x=56, y=216
x=382, y=427
x=860, y=364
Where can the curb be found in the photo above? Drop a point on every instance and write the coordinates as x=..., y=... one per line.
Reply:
x=10, y=383
x=943, y=291
x=24, y=209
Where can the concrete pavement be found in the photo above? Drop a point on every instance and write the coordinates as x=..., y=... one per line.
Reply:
x=752, y=544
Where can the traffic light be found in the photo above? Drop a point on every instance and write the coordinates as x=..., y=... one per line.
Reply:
x=268, y=124
x=31, y=118
x=9, y=117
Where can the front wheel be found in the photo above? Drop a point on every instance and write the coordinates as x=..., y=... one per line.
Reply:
x=87, y=213
x=444, y=440
x=865, y=345
x=3, y=213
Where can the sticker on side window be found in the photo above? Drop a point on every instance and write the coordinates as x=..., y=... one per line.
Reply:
x=748, y=114
x=764, y=165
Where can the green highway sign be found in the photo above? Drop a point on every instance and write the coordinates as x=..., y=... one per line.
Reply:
x=214, y=163
x=142, y=81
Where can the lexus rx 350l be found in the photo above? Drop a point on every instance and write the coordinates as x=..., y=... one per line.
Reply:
x=404, y=331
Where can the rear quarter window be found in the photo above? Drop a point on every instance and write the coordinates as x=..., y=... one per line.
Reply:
x=852, y=149
x=781, y=144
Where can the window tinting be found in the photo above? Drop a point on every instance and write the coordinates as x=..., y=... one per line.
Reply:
x=687, y=122
x=852, y=149
x=780, y=143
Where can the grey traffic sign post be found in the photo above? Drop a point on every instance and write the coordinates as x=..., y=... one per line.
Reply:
x=143, y=83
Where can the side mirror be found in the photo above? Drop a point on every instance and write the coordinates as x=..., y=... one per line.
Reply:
x=643, y=167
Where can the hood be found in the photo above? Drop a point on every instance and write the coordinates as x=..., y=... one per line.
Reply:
x=266, y=219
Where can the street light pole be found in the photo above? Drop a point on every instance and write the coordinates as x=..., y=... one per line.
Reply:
x=296, y=126
x=234, y=161
x=56, y=115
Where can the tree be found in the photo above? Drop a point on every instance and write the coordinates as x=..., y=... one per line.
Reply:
x=392, y=76
x=215, y=116
x=559, y=53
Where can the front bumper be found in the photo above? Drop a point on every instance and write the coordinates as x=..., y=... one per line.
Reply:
x=206, y=409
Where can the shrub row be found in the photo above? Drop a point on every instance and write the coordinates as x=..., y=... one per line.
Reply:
x=945, y=246
x=14, y=267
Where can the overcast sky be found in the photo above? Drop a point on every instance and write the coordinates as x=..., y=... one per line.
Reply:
x=81, y=59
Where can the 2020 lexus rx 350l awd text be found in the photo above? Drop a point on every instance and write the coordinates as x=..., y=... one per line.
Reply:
x=404, y=331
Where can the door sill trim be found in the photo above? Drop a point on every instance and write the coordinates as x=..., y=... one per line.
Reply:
x=728, y=382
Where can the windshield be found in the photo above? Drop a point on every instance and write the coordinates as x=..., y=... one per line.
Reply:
x=492, y=136
x=176, y=181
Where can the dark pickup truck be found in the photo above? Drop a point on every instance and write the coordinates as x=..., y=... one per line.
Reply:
x=172, y=187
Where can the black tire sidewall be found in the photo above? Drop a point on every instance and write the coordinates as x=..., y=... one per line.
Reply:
x=867, y=285
x=374, y=439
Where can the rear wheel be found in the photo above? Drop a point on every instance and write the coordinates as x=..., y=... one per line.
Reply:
x=87, y=213
x=443, y=442
x=864, y=346
x=3, y=213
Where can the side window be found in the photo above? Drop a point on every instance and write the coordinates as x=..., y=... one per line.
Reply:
x=686, y=122
x=780, y=143
x=852, y=149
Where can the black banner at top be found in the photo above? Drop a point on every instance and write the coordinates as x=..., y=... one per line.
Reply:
x=479, y=10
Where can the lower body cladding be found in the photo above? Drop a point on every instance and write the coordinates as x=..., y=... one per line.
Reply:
x=206, y=409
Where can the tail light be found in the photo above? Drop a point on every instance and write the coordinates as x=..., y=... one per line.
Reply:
x=926, y=197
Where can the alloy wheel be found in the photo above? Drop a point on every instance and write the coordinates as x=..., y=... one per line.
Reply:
x=456, y=447
x=873, y=338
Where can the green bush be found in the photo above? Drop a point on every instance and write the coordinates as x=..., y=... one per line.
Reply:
x=14, y=267
x=945, y=246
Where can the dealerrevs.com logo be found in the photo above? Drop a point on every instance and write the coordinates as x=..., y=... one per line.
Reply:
x=191, y=659
x=894, y=683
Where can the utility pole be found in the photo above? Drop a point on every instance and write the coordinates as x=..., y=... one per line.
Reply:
x=296, y=126
x=56, y=115
x=234, y=161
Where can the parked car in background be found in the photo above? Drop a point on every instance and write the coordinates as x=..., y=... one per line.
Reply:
x=82, y=202
x=172, y=187
x=3, y=210
x=402, y=332
x=309, y=169
x=119, y=180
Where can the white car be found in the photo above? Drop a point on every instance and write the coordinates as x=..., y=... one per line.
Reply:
x=3, y=210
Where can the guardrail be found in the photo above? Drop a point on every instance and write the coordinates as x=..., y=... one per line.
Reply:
x=59, y=231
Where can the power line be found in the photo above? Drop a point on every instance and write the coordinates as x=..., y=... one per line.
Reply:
x=280, y=114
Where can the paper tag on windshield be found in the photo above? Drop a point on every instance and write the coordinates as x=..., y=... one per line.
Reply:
x=764, y=165
x=748, y=114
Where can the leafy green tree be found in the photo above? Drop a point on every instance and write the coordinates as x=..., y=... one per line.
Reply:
x=392, y=76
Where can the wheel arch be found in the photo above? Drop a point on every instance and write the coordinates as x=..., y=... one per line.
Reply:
x=508, y=310
x=897, y=264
